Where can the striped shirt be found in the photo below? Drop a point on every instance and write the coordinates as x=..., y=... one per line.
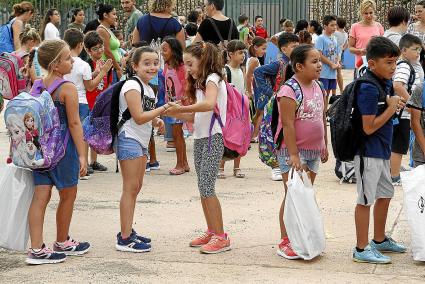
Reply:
x=402, y=74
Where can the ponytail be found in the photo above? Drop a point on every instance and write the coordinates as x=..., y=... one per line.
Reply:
x=256, y=42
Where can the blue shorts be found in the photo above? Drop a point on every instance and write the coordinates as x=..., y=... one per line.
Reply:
x=312, y=164
x=129, y=148
x=328, y=84
x=65, y=174
x=84, y=111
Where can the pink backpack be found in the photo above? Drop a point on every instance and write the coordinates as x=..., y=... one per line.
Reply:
x=238, y=129
x=12, y=81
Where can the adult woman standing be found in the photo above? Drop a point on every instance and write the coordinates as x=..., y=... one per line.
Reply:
x=158, y=23
x=362, y=31
x=108, y=18
x=77, y=20
x=418, y=28
x=49, y=28
x=22, y=13
x=216, y=22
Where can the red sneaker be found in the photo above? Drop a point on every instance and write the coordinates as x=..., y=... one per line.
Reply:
x=201, y=240
x=285, y=250
x=217, y=244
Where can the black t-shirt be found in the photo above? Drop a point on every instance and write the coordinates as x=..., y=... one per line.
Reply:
x=208, y=33
x=91, y=26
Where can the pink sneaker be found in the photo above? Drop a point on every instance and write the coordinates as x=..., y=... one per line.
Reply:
x=285, y=250
x=217, y=244
x=201, y=240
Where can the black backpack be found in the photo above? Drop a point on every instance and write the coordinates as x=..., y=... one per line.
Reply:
x=347, y=134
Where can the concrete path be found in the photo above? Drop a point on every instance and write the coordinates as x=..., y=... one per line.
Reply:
x=169, y=211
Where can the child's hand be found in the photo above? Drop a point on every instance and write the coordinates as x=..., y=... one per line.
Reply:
x=324, y=156
x=107, y=66
x=160, y=124
x=295, y=162
x=172, y=109
x=395, y=102
x=83, y=166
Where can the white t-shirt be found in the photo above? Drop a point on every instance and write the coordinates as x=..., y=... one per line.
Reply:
x=80, y=72
x=402, y=74
x=203, y=119
x=51, y=32
x=237, y=79
x=314, y=37
x=141, y=133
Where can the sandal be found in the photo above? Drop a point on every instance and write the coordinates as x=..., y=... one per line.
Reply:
x=221, y=174
x=177, y=172
x=237, y=173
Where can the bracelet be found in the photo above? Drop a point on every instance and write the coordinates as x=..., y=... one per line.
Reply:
x=165, y=108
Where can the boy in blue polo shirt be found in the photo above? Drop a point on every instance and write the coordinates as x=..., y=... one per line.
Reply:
x=328, y=46
x=372, y=162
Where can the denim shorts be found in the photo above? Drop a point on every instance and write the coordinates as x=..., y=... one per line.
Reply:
x=84, y=111
x=66, y=172
x=312, y=164
x=128, y=148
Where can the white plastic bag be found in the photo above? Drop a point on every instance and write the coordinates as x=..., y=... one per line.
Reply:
x=414, y=205
x=303, y=220
x=16, y=192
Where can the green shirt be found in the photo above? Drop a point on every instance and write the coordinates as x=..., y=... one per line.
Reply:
x=243, y=33
x=79, y=27
x=131, y=23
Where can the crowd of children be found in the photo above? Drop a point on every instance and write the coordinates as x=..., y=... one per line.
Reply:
x=179, y=88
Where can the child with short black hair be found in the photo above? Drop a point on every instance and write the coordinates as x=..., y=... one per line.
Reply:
x=372, y=164
x=191, y=30
x=327, y=44
x=81, y=74
x=265, y=85
x=342, y=40
x=406, y=79
x=234, y=76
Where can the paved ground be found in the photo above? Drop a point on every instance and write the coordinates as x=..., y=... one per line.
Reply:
x=169, y=211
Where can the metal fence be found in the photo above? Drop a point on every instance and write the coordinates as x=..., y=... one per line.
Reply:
x=271, y=11
x=349, y=9
x=65, y=7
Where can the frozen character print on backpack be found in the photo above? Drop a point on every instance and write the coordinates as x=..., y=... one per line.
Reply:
x=24, y=151
x=171, y=89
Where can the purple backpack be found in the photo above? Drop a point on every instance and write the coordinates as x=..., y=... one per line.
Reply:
x=33, y=123
x=102, y=125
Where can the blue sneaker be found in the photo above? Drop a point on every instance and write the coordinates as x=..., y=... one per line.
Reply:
x=154, y=166
x=148, y=168
x=44, y=256
x=389, y=246
x=146, y=240
x=131, y=244
x=71, y=247
x=370, y=255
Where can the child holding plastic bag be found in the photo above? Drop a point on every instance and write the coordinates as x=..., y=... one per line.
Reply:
x=302, y=114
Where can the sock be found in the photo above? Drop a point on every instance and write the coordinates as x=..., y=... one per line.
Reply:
x=378, y=243
x=60, y=243
x=36, y=250
x=359, y=250
x=222, y=235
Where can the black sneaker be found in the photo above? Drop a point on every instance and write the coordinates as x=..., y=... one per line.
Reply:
x=96, y=166
x=90, y=170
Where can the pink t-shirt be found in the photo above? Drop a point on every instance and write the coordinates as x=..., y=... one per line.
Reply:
x=363, y=34
x=175, y=83
x=309, y=128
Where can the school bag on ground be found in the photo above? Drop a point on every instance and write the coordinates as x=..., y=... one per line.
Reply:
x=12, y=81
x=266, y=143
x=102, y=125
x=345, y=120
x=303, y=220
x=33, y=123
x=414, y=206
x=6, y=37
x=237, y=130
x=16, y=193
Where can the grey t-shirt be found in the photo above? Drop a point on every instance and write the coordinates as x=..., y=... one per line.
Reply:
x=131, y=23
x=416, y=101
x=393, y=36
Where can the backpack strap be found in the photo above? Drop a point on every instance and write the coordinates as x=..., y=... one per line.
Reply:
x=280, y=77
x=228, y=74
x=298, y=91
x=217, y=31
x=126, y=115
x=412, y=75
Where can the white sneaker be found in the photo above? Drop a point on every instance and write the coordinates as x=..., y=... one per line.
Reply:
x=276, y=174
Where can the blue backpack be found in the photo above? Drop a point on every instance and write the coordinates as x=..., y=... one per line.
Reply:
x=6, y=37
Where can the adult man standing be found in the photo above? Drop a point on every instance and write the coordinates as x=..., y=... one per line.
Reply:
x=133, y=15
